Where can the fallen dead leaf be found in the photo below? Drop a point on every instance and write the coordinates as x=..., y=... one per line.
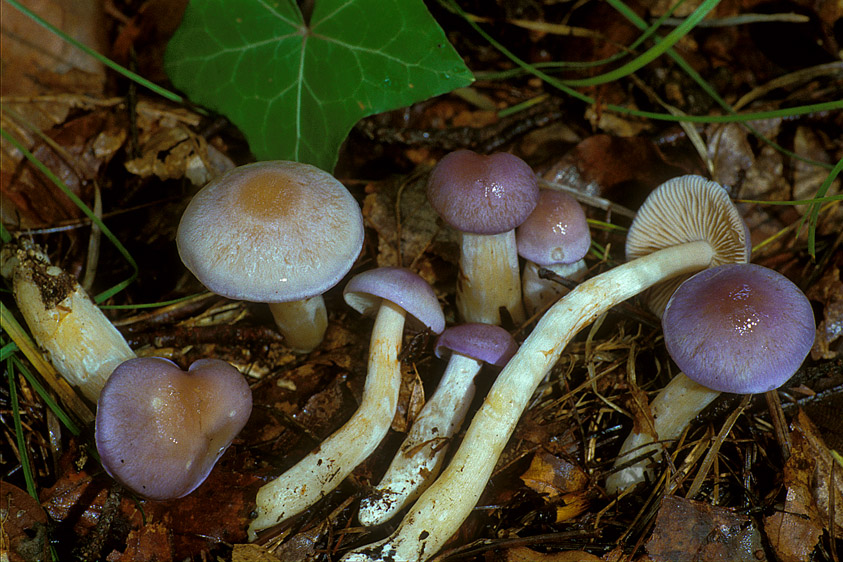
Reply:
x=691, y=531
x=23, y=526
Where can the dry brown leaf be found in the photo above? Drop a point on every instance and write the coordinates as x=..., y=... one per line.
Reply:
x=730, y=152
x=33, y=61
x=829, y=291
x=553, y=476
x=23, y=525
x=252, y=553
x=524, y=554
x=691, y=531
x=149, y=543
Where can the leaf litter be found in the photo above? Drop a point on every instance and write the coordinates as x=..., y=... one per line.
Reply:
x=545, y=502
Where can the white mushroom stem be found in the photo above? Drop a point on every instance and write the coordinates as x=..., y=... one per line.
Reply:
x=83, y=345
x=446, y=504
x=673, y=409
x=302, y=323
x=538, y=292
x=326, y=467
x=421, y=454
x=489, y=278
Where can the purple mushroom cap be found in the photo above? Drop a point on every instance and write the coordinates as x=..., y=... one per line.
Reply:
x=556, y=232
x=482, y=194
x=160, y=430
x=482, y=342
x=400, y=286
x=739, y=328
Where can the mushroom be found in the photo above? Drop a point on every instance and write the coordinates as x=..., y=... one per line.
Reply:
x=160, y=430
x=84, y=346
x=555, y=236
x=277, y=232
x=680, y=206
x=420, y=457
x=392, y=293
x=485, y=198
x=739, y=328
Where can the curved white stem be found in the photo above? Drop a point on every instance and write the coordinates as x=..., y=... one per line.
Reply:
x=673, y=409
x=420, y=457
x=302, y=323
x=446, y=504
x=324, y=468
x=489, y=278
x=538, y=292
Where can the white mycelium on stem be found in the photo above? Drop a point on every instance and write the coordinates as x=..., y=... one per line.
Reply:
x=393, y=293
x=446, y=504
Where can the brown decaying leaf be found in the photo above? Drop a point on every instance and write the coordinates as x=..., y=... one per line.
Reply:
x=829, y=291
x=23, y=525
x=810, y=476
x=691, y=531
x=524, y=554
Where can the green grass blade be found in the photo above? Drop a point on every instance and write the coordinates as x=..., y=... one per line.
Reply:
x=26, y=467
x=63, y=417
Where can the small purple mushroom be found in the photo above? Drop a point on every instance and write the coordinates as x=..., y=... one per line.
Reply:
x=739, y=328
x=485, y=198
x=420, y=457
x=160, y=430
x=392, y=293
x=555, y=236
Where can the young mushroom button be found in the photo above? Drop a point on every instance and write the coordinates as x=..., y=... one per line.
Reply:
x=392, y=294
x=555, y=236
x=160, y=430
x=277, y=232
x=443, y=507
x=420, y=457
x=485, y=198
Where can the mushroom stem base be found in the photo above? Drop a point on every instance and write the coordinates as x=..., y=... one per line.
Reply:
x=323, y=469
x=302, y=323
x=673, y=409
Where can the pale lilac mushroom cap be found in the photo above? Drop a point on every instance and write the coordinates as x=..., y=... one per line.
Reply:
x=556, y=232
x=739, y=328
x=270, y=232
x=481, y=342
x=482, y=194
x=160, y=430
x=400, y=286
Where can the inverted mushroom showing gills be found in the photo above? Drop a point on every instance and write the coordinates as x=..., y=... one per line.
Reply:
x=485, y=198
x=420, y=457
x=555, y=236
x=738, y=328
x=277, y=232
x=160, y=430
x=444, y=506
x=391, y=293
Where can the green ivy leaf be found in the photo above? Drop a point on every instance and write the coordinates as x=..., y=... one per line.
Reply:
x=296, y=89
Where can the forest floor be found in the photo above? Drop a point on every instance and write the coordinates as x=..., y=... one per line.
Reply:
x=750, y=479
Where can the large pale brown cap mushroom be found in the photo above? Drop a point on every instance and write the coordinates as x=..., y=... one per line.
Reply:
x=276, y=232
x=687, y=209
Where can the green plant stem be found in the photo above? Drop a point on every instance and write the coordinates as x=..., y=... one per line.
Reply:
x=26, y=467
